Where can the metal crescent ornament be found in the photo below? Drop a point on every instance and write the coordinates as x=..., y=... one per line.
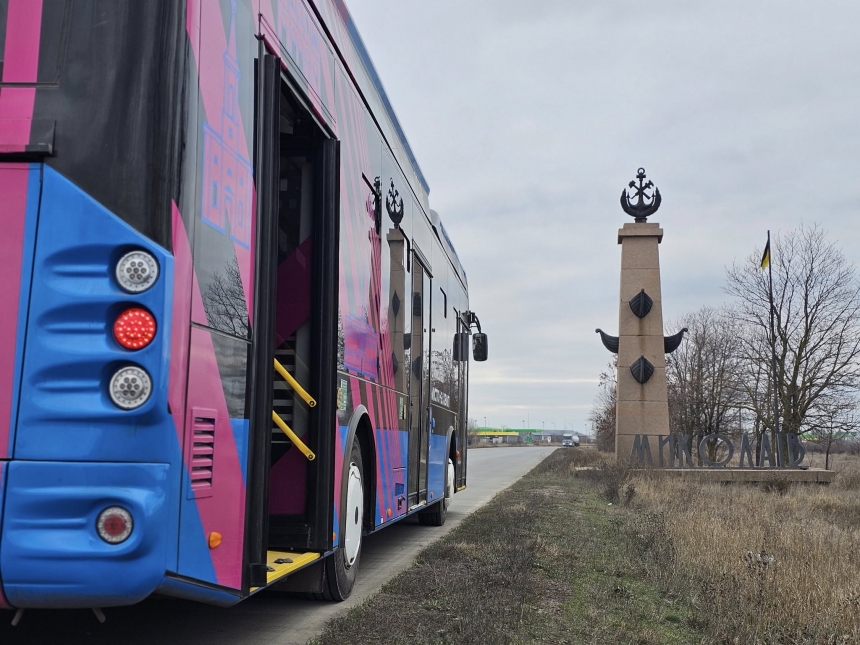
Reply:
x=671, y=343
x=609, y=342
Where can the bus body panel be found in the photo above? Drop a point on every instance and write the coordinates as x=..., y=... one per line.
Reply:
x=70, y=352
x=51, y=556
x=214, y=493
x=20, y=185
x=65, y=414
x=191, y=590
x=4, y=468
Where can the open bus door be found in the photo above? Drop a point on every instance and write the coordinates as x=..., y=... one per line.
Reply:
x=290, y=515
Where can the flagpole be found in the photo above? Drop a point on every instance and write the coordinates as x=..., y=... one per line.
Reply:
x=777, y=438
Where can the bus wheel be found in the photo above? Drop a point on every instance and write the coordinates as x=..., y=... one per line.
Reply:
x=342, y=565
x=436, y=514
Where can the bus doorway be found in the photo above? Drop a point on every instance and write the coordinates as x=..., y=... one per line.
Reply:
x=303, y=351
x=296, y=344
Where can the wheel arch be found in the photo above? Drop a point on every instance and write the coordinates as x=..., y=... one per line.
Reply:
x=359, y=426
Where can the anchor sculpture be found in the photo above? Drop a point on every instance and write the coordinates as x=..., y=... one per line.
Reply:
x=646, y=204
x=394, y=205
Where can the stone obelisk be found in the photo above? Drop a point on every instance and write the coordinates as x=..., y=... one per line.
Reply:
x=642, y=408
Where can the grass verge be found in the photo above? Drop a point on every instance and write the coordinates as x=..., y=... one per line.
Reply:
x=764, y=564
x=547, y=561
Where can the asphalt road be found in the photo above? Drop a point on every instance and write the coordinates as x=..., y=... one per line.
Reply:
x=271, y=617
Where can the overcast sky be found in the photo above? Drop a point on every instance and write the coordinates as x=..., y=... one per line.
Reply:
x=529, y=118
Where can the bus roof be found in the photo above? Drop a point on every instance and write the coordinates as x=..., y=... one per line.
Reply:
x=370, y=70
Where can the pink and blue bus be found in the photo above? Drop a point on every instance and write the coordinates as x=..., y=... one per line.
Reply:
x=234, y=338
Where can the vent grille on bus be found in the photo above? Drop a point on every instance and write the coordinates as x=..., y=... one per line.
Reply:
x=202, y=453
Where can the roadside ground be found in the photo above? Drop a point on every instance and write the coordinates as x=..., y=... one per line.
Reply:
x=545, y=561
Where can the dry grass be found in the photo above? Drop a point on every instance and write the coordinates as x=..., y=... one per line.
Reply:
x=762, y=566
x=544, y=562
x=668, y=561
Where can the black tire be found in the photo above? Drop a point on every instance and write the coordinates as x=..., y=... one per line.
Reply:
x=436, y=514
x=433, y=516
x=339, y=576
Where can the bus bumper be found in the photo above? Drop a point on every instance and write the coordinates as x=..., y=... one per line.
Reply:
x=50, y=552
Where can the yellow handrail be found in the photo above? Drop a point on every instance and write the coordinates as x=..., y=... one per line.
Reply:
x=307, y=398
x=292, y=435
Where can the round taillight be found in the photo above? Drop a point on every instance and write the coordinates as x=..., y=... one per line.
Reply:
x=134, y=328
x=136, y=271
x=114, y=524
x=130, y=387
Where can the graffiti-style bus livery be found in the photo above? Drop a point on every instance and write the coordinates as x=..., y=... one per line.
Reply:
x=234, y=337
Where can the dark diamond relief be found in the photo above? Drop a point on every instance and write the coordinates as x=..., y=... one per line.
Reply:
x=641, y=304
x=395, y=303
x=394, y=362
x=671, y=343
x=642, y=370
x=609, y=342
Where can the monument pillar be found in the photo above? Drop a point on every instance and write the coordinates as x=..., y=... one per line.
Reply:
x=642, y=408
x=642, y=398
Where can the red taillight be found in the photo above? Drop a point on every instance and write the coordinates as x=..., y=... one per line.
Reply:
x=134, y=328
x=114, y=525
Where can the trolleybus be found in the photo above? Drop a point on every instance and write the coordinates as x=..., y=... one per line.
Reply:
x=234, y=338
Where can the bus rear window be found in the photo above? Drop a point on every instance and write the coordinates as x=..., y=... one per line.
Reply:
x=43, y=42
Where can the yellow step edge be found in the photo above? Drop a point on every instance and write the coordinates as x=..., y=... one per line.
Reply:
x=280, y=570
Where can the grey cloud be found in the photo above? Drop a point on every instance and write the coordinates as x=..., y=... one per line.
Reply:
x=529, y=118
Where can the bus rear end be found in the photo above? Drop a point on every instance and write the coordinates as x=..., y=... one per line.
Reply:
x=89, y=457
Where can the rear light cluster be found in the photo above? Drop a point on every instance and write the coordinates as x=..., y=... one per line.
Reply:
x=135, y=328
x=136, y=271
x=130, y=387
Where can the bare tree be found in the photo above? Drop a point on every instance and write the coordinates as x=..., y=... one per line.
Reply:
x=756, y=384
x=472, y=431
x=602, y=415
x=703, y=377
x=816, y=304
x=835, y=419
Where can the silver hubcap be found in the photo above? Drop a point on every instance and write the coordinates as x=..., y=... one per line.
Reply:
x=354, y=513
x=449, y=484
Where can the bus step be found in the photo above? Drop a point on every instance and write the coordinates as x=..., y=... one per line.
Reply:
x=283, y=563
